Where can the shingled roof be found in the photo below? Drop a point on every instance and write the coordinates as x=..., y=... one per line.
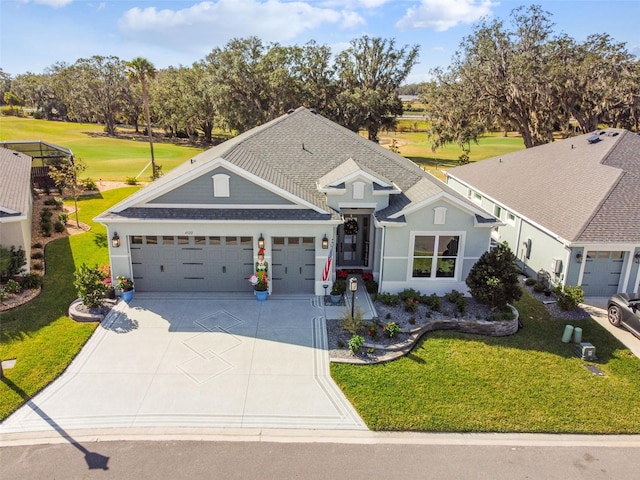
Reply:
x=585, y=192
x=15, y=183
x=293, y=152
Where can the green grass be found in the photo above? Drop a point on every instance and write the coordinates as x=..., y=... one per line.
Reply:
x=106, y=157
x=39, y=334
x=417, y=147
x=528, y=382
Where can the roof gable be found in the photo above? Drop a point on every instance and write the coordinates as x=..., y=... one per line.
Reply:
x=290, y=156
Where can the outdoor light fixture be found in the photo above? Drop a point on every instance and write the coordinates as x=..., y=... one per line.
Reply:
x=325, y=242
x=353, y=286
x=579, y=257
x=637, y=257
x=115, y=240
x=260, y=241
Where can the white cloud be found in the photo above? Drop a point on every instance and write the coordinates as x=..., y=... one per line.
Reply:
x=207, y=24
x=351, y=19
x=442, y=15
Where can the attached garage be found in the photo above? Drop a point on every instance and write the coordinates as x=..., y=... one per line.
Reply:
x=602, y=273
x=293, y=264
x=191, y=263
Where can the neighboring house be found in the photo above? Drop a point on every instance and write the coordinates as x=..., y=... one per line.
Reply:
x=16, y=202
x=296, y=185
x=570, y=208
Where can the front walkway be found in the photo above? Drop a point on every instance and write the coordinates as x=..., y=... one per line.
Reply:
x=197, y=360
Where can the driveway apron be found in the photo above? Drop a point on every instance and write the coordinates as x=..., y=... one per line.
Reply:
x=197, y=360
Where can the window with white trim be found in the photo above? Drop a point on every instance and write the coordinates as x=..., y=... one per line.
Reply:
x=220, y=185
x=475, y=196
x=435, y=256
x=358, y=190
x=511, y=218
x=497, y=211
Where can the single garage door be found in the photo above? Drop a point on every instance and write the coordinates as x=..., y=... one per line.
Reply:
x=602, y=273
x=191, y=263
x=294, y=264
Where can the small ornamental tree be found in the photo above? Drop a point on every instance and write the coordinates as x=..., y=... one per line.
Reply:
x=90, y=286
x=493, y=280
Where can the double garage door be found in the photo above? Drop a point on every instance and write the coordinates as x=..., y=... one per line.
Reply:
x=218, y=263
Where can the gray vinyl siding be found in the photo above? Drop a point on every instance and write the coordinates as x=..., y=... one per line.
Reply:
x=200, y=192
x=381, y=200
x=398, y=261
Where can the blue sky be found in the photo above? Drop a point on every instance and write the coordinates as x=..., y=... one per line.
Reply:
x=35, y=34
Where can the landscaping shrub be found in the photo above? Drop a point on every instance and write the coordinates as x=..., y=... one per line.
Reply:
x=59, y=227
x=53, y=202
x=30, y=281
x=502, y=315
x=372, y=331
x=371, y=286
x=529, y=282
x=37, y=255
x=539, y=287
x=493, y=280
x=458, y=300
x=12, y=260
x=388, y=299
x=355, y=343
x=89, y=184
x=432, y=301
x=90, y=286
x=131, y=181
x=352, y=324
x=63, y=218
x=36, y=245
x=408, y=293
x=37, y=266
x=411, y=305
x=570, y=297
x=12, y=287
x=391, y=329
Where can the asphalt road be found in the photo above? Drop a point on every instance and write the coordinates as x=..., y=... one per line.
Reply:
x=142, y=460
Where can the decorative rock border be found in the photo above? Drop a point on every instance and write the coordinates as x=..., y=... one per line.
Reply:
x=500, y=328
x=81, y=316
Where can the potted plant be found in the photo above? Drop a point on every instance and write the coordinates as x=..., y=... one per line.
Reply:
x=126, y=287
x=337, y=290
x=260, y=279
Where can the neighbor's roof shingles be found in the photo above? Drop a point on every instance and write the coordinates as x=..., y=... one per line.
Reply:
x=580, y=191
x=15, y=183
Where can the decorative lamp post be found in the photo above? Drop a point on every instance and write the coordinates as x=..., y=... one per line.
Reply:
x=353, y=286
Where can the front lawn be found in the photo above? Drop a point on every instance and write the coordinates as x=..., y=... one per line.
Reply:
x=39, y=334
x=529, y=382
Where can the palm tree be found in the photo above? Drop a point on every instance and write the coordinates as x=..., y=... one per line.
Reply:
x=139, y=70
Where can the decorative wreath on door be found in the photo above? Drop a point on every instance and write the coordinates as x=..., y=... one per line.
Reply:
x=351, y=226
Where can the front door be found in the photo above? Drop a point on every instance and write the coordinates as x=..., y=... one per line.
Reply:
x=353, y=241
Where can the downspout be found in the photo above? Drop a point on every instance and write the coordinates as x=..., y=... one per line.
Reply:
x=384, y=239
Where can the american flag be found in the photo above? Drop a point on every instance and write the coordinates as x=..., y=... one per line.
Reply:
x=327, y=266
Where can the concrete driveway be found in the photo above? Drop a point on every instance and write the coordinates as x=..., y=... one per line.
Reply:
x=196, y=360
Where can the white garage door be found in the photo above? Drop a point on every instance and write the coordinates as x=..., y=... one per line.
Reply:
x=191, y=263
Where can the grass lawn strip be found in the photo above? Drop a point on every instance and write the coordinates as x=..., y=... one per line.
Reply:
x=530, y=382
x=39, y=334
x=108, y=158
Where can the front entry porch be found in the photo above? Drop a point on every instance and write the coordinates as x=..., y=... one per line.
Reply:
x=355, y=241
